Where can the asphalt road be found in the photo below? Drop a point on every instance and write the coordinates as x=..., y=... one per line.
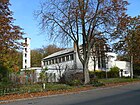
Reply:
x=122, y=95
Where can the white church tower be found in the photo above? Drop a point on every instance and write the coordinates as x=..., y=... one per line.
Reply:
x=26, y=54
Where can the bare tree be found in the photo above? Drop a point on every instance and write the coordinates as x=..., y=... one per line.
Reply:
x=81, y=21
x=59, y=69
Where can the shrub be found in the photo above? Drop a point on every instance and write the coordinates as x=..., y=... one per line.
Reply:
x=98, y=74
x=73, y=79
x=75, y=82
x=114, y=72
x=62, y=79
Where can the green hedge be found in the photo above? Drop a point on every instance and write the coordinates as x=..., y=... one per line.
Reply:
x=112, y=73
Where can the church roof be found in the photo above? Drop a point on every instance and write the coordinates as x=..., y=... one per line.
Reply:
x=62, y=52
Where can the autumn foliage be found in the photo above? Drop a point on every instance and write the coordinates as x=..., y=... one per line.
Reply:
x=10, y=35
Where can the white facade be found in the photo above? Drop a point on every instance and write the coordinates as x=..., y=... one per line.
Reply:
x=26, y=54
x=67, y=60
x=58, y=63
x=122, y=65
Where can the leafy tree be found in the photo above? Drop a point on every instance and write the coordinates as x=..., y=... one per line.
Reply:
x=9, y=38
x=36, y=57
x=81, y=21
x=38, y=54
x=50, y=49
x=129, y=40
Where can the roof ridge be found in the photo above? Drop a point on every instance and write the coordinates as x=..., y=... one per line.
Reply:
x=59, y=52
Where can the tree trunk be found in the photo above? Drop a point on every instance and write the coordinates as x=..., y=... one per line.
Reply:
x=131, y=67
x=86, y=73
x=94, y=67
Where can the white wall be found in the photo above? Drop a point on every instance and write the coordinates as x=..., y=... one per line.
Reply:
x=53, y=69
x=58, y=70
x=125, y=66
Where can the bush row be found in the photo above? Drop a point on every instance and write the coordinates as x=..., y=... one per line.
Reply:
x=112, y=73
x=76, y=79
x=104, y=74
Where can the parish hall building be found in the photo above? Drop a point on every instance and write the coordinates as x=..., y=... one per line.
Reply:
x=68, y=61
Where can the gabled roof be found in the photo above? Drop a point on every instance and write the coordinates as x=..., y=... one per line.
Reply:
x=60, y=53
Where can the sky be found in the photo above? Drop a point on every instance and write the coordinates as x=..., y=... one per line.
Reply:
x=23, y=12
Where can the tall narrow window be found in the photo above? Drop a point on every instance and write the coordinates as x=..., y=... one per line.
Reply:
x=25, y=40
x=67, y=58
x=60, y=60
x=71, y=57
x=52, y=61
x=56, y=60
x=63, y=59
x=26, y=49
x=25, y=61
x=47, y=62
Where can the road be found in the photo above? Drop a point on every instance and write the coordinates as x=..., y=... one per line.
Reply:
x=122, y=95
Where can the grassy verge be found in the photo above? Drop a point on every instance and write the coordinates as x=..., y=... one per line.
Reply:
x=19, y=89
x=52, y=87
x=117, y=80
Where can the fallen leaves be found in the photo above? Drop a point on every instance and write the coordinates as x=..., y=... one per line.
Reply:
x=14, y=97
x=44, y=93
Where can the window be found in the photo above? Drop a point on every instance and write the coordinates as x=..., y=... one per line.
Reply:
x=71, y=57
x=126, y=72
x=63, y=59
x=56, y=60
x=59, y=60
x=52, y=61
x=46, y=62
x=25, y=61
x=67, y=58
x=25, y=55
x=25, y=40
x=26, y=49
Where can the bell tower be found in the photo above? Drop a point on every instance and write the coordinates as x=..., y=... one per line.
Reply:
x=26, y=54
